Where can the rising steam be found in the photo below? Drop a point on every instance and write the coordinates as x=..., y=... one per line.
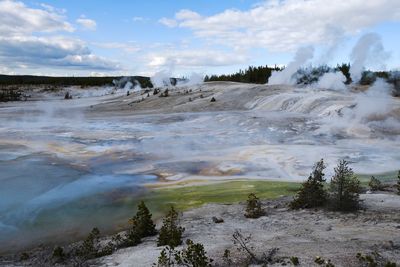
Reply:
x=368, y=48
x=286, y=76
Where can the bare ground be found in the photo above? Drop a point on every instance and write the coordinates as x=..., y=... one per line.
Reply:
x=304, y=233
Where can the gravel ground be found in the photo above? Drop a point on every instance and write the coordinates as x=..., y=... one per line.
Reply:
x=304, y=233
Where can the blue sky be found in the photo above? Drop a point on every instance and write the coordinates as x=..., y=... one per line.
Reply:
x=142, y=37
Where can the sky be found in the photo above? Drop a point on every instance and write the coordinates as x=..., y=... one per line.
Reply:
x=104, y=37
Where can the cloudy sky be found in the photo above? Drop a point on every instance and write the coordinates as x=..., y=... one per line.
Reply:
x=104, y=37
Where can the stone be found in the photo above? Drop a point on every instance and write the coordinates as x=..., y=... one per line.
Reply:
x=217, y=220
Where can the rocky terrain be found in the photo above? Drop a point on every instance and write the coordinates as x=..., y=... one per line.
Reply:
x=105, y=147
x=305, y=234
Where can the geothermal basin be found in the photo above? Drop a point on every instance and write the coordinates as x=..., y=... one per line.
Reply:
x=69, y=165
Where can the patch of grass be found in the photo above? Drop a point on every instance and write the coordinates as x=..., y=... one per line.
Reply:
x=119, y=206
x=187, y=197
x=383, y=177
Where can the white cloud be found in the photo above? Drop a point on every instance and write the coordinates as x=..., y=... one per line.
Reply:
x=129, y=47
x=18, y=51
x=171, y=23
x=98, y=74
x=186, y=14
x=139, y=19
x=87, y=24
x=288, y=24
x=87, y=61
x=194, y=58
x=24, y=46
x=17, y=18
x=53, y=9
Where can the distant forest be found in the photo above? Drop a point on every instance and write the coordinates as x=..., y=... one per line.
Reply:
x=304, y=76
x=250, y=75
x=69, y=81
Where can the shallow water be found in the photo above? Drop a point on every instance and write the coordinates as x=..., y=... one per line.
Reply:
x=65, y=171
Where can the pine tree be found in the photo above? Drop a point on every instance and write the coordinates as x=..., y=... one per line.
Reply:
x=143, y=221
x=312, y=193
x=344, y=188
x=253, y=208
x=141, y=225
x=170, y=232
x=374, y=184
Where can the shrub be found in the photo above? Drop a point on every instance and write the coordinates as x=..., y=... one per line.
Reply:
x=24, y=256
x=165, y=93
x=322, y=262
x=166, y=258
x=374, y=184
x=374, y=259
x=170, y=232
x=107, y=249
x=90, y=246
x=312, y=193
x=295, y=261
x=132, y=238
x=253, y=208
x=10, y=95
x=227, y=258
x=67, y=95
x=243, y=244
x=344, y=188
x=58, y=254
x=194, y=255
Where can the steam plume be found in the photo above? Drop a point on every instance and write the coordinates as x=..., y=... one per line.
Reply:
x=369, y=47
x=286, y=76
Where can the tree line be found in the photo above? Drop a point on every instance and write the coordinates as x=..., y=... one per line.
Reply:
x=68, y=81
x=308, y=75
x=252, y=74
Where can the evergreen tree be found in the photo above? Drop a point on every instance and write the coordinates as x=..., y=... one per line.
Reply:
x=259, y=74
x=344, y=188
x=170, y=232
x=90, y=246
x=253, y=208
x=143, y=221
x=398, y=183
x=345, y=69
x=141, y=225
x=312, y=193
x=374, y=184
